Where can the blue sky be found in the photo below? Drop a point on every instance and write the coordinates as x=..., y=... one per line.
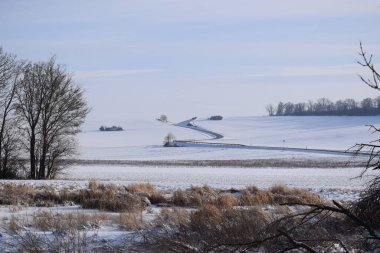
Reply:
x=140, y=59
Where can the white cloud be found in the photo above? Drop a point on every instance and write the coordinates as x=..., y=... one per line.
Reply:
x=300, y=71
x=200, y=10
x=338, y=70
x=114, y=73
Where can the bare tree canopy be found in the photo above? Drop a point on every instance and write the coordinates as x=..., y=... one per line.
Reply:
x=51, y=108
x=9, y=139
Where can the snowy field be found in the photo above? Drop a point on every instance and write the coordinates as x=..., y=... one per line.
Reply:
x=329, y=132
x=337, y=183
x=143, y=140
x=224, y=178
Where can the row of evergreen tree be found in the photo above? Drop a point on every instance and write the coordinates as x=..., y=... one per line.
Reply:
x=325, y=107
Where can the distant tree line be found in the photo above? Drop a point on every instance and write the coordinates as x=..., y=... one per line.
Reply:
x=325, y=107
x=41, y=111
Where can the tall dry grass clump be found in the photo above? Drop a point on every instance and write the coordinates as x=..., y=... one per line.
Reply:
x=16, y=194
x=172, y=217
x=194, y=196
x=181, y=230
x=277, y=194
x=131, y=220
x=109, y=198
x=62, y=222
x=147, y=190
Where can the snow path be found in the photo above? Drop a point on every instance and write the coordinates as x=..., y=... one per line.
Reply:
x=190, y=125
x=203, y=143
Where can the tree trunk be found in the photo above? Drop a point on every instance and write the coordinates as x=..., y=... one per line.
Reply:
x=42, y=168
x=33, y=156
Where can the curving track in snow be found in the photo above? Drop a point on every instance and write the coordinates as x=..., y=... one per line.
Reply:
x=189, y=124
x=214, y=136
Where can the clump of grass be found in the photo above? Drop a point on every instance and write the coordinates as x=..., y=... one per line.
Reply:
x=148, y=190
x=93, y=184
x=98, y=196
x=284, y=194
x=131, y=220
x=141, y=188
x=16, y=194
x=109, y=198
x=210, y=225
x=14, y=225
x=208, y=216
x=68, y=234
x=172, y=217
x=255, y=199
x=277, y=194
x=226, y=201
x=60, y=222
x=194, y=196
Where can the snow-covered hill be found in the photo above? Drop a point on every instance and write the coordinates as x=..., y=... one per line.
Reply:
x=299, y=132
x=142, y=140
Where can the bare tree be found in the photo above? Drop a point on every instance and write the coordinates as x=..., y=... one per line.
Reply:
x=366, y=62
x=270, y=109
x=168, y=139
x=164, y=118
x=52, y=108
x=9, y=78
x=280, y=109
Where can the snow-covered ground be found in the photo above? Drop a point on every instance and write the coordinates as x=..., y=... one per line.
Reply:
x=182, y=177
x=337, y=183
x=143, y=140
x=328, y=132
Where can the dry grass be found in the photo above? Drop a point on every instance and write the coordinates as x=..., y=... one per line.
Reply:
x=141, y=188
x=66, y=235
x=226, y=201
x=55, y=221
x=199, y=219
x=250, y=196
x=109, y=197
x=14, y=194
x=172, y=216
x=252, y=229
x=194, y=196
x=182, y=230
x=131, y=220
x=278, y=194
x=14, y=224
x=147, y=190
